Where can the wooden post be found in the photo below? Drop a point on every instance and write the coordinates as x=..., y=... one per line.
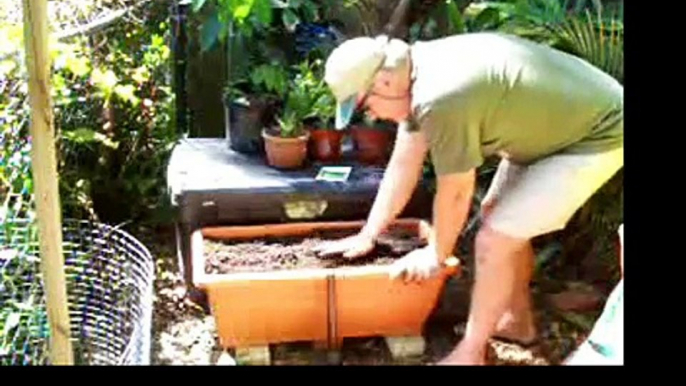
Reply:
x=45, y=179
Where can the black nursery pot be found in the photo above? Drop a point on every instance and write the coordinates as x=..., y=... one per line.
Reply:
x=244, y=123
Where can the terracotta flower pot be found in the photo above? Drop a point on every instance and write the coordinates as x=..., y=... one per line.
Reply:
x=372, y=145
x=325, y=144
x=324, y=305
x=285, y=153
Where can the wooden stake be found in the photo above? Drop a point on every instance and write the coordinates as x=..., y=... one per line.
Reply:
x=45, y=179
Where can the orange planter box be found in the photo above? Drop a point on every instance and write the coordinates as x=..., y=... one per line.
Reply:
x=324, y=304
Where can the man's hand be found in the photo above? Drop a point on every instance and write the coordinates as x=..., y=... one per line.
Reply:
x=400, y=179
x=350, y=247
x=420, y=264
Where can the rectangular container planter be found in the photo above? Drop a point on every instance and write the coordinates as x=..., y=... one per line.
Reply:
x=324, y=305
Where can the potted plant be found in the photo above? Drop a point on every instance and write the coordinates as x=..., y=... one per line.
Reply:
x=249, y=104
x=286, y=143
x=325, y=139
x=232, y=22
x=372, y=138
x=307, y=102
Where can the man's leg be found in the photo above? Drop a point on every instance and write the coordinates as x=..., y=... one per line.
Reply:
x=542, y=200
x=517, y=323
x=497, y=266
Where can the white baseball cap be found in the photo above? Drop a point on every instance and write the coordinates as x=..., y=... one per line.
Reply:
x=350, y=70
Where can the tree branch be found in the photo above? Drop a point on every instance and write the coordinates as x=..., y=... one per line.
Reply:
x=94, y=26
x=90, y=28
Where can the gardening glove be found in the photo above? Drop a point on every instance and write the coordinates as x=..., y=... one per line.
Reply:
x=418, y=265
x=350, y=247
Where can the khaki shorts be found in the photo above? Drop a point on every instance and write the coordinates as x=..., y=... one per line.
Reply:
x=540, y=198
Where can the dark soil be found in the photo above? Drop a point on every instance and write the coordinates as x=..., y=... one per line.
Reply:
x=282, y=253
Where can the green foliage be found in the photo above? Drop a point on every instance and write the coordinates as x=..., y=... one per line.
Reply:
x=243, y=15
x=587, y=29
x=256, y=34
x=23, y=323
x=308, y=99
x=455, y=20
x=298, y=101
x=272, y=78
x=452, y=17
x=316, y=101
x=290, y=124
x=266, y=81
x=324, y=108
x=113, y=117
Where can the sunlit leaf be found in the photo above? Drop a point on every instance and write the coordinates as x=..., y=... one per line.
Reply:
x=104, y=80
x=210, y=31
x=242, y=11
x=78, y=65
x=141, y=75
x=85, y=135
x=197, y=5
x=11, y=322
x=290, y=19
x=263, y=11
x=127, y=93
x=7, y=66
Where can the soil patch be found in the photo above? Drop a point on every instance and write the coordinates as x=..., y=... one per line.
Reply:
x=282, y=253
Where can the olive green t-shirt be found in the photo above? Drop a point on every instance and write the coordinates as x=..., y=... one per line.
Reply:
x=484, y=94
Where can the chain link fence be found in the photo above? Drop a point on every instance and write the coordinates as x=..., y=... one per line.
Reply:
x=109, y=277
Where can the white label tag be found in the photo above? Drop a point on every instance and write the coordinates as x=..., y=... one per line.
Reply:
x=334, y=173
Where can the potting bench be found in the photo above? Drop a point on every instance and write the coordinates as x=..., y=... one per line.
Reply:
x=210, y=185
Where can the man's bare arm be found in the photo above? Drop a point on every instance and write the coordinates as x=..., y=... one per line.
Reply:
x=450, y=211
x=400, y=179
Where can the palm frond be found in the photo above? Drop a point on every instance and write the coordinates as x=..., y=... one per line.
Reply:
x=598, y=41
x=582, y=28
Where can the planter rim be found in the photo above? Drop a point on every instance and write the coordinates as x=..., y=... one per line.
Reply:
x=303, y=137
x=203, y=279
x=325, y=128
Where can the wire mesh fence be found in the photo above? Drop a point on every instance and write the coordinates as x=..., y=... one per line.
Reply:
x=109, y=278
